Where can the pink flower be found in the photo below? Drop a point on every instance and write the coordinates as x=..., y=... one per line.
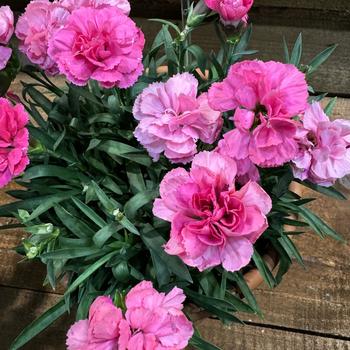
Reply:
x=6, y=24
x=232, y=12
x=324, y=148
x=211, y=223
x=35, y=28
x=14, y=141
x=265, y=97
x=71, y=5
x=155, y=321
x=5, y=55
x=101, y=331
x=246, y=170
x=101, y=44
x=172, y=119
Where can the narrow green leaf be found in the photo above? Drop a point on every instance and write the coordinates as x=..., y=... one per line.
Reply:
x=88, y=272
x=101, y=236
x=321, y=58
x=168, y=23
x=328, y=191
x=74, y=224
x=41, y=323
x=201, y=344
x=297, y=51
x=286, y=51
x=138, y=201
x=245, y=290
x=125, y=151
x=135, y=177
x=292, y=251
x=91, y=214
x=70, y=253
x=264, y=270
x=330, y=106
x=155, y=242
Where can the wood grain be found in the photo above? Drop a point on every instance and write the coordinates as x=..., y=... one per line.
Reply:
x=236, y=337
x=332, y=77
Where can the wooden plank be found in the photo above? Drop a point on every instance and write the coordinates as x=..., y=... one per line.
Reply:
x=237, y=337
x=19, y=308
x=332, y=77
x=30, y=304
x=338, y=5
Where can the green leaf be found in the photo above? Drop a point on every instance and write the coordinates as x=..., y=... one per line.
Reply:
x=238, y=304
x=286, y=51
x=125, y=151
x=292, y=251
x=48, y=202
x=167, y=23
x=138, y=201
x=41, y=323
x=155, y=242
x=202, y=344
x=245, y=290
x=108, y=203
x=297, y=51
x=328, y=191
x=221, y=308
x=62, y=173
x=91, y=214
x=135, y=177
x=330, y=106
x=101, y=236
x=264, y=270
x=321, y=58
x=75, y=225
x=38, y=97
x=70, y=253
x=199, y=55
x=88, y=272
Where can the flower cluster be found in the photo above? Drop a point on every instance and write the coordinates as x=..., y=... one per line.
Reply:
x=64, y=37
x=6, y=31
x=153, y=321
x=14, y=141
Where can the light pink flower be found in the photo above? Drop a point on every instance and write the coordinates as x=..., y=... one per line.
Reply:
x=14, y=141
x=154, y=321
x=71, y=5
x=324, y=148
x=101, y=331
x=6, y=24
x=211, y=223
x=232, y=12
x=101, y=44
x=172, y=119
x=34, y=29
x=265, y=97
x=5, y=55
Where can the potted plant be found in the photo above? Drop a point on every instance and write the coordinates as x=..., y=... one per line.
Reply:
x=159, y=178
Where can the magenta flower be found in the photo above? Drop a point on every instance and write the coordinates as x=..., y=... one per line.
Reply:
x=35, y=28
x=172, y=119
x=100, y=331
x=14, y=141
x=265, y=97
x=6, y=24
x=101, y=44
x=5, y=55
x=155, y=321
x=324, y=148
x=211, y=223
x=71, y=5
x=232, y=12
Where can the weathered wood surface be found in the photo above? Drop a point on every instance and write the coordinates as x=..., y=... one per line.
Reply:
x=332, y=77
x=310, y=309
